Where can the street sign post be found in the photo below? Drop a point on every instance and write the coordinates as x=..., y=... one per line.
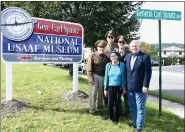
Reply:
x=26, y=39
x=159, y=15
x=160, y=71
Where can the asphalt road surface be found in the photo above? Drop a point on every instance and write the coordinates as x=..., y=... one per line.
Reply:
x=172, y=80
x=179, y=69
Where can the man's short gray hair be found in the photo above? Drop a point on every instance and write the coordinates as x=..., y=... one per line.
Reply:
x=135, y=42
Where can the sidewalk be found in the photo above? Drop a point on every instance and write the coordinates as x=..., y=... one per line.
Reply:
x=175, y=108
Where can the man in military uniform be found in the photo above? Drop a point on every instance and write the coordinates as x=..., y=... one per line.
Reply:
x=110, y=37
x=95, y=72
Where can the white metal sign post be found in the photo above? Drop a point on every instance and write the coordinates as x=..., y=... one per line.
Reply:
x=75, y=77
x=8, y=81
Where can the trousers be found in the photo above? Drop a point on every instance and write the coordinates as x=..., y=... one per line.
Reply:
x=137, y=102
x=96, y=94
x=114, y=98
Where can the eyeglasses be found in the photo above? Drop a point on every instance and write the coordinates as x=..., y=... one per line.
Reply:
x=121, y=42
x=110, y=37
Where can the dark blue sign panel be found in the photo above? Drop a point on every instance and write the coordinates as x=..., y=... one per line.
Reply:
x=35, y=40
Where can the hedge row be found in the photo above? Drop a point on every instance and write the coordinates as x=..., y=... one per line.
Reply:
x=168, y=61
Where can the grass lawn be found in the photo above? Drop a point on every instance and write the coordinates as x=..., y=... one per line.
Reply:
x=49, y=113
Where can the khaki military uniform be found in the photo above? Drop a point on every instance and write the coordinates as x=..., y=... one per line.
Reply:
x=109, y=48
x=96, y=64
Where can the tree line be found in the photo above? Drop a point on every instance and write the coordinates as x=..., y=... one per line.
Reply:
x=96, y=17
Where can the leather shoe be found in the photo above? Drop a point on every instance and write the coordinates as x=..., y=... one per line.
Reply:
x=137, y=130
x=132, y=125
x=116, y=121
x=109, y=119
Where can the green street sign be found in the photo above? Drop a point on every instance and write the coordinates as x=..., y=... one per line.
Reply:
x=158, y=14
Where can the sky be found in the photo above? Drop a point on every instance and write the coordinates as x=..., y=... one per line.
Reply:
x=171, y=31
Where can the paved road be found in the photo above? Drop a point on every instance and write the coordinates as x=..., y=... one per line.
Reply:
x=172, y=80
x=179, y=69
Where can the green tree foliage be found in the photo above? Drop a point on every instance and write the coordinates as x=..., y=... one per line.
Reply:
x=97, y=17
x=149, y=49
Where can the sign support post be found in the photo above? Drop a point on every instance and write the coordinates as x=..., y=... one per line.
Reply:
x=160, y=71
x=75, y=77
x=8, y=81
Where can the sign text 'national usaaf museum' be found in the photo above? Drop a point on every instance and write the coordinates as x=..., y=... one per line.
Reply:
x=31, y=39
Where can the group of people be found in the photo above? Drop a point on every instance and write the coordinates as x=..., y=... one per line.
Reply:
x=114, y=70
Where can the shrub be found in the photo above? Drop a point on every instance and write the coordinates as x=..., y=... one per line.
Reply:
x=168, y=61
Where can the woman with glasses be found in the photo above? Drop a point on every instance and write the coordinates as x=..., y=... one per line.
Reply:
x=123, y=51
x=114, y=84
x=122, y=47
x=95, y=72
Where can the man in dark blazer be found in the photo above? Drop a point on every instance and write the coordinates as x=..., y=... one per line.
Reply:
x=139, y=71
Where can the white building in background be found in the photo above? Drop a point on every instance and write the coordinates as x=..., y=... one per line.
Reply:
x=172, y=52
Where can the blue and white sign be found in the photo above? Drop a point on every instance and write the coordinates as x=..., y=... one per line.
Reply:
x=28, y=39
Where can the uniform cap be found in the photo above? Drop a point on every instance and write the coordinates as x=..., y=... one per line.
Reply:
x=101, y=43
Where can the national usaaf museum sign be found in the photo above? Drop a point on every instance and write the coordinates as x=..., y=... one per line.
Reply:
x=29, y=39
x=158, y=14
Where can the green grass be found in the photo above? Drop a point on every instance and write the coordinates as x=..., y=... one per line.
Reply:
x=50, y=113
x=168, y=97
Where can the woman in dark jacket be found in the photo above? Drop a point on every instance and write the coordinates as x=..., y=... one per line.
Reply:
x=123, y=51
